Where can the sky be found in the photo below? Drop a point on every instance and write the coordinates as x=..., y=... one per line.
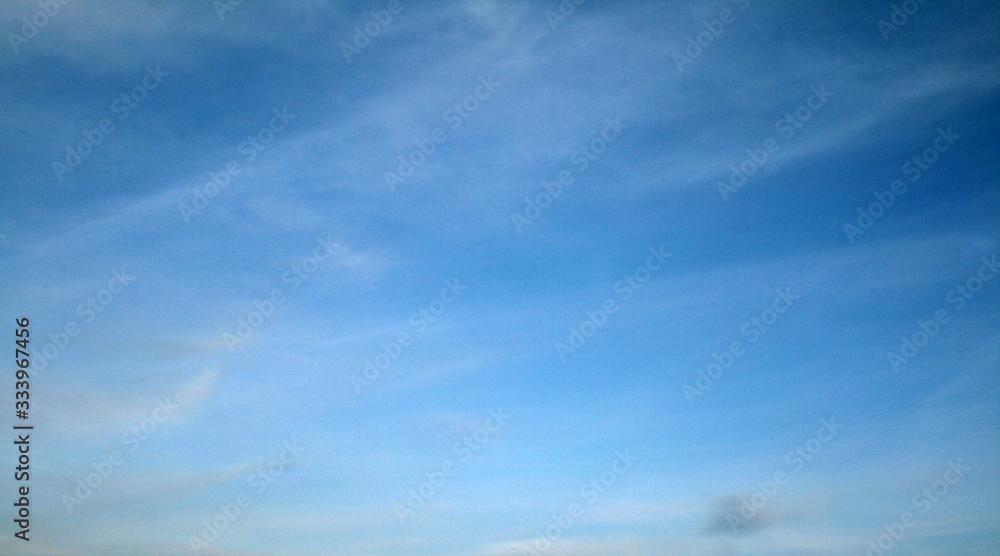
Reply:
x=487, y=278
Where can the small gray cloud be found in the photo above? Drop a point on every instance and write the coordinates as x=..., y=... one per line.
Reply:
x=736, y=515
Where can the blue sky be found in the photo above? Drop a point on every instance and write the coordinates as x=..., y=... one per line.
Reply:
x=210, y=344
